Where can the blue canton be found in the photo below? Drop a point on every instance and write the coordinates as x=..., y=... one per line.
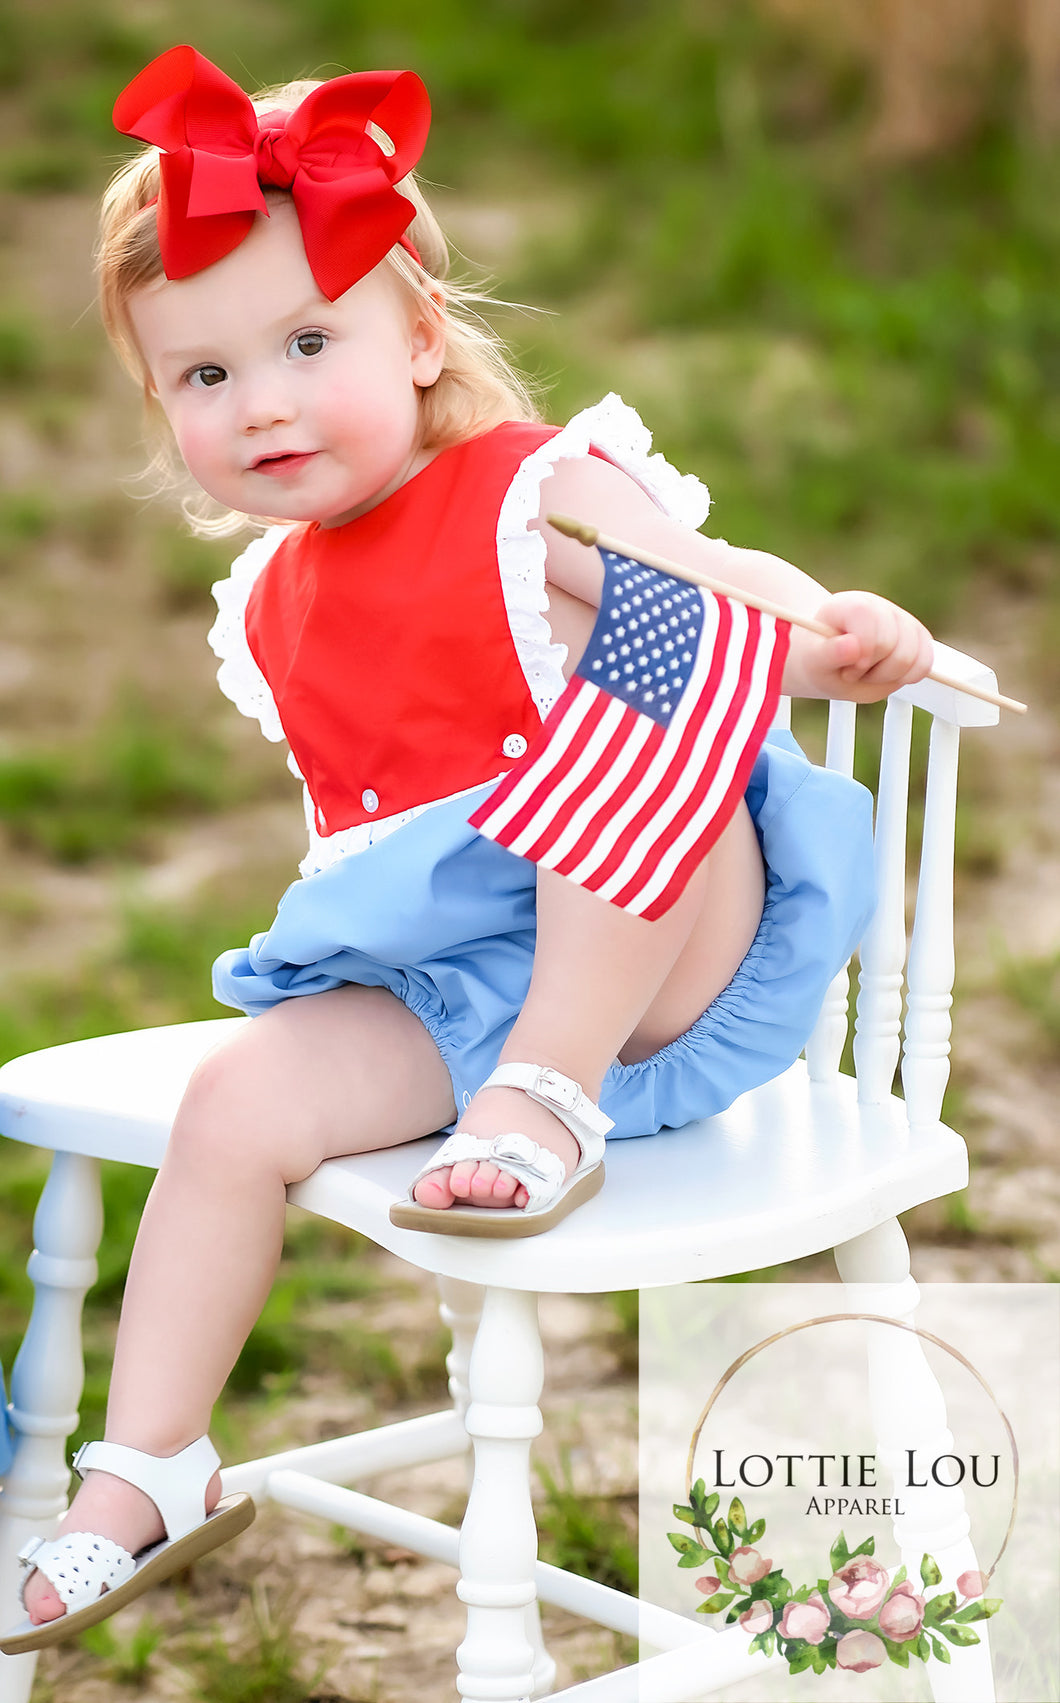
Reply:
x=646, y=636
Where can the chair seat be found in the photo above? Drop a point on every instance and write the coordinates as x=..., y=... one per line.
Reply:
x=721, y=1195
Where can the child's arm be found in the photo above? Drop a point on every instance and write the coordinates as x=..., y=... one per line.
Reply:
x=879, y=646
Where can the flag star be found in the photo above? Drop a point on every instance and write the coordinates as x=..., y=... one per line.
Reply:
x=625, y=608
x=656, y=653
x=624, y=650
x=649, y=697
x=598, y=664
x=669, y=645
x=637, y=643
x=668, y=603
x=688, y=656
x=678, y=682
x=613, y=674
x=636, y=602
x=620, y=632
x=659, y=672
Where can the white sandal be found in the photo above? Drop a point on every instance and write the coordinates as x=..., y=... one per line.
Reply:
x=95, y=1577
x=551, y=1196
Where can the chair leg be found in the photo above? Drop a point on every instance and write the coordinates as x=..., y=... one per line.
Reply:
x=909, y=1410
x=46, y=1381
x=498, y=1661
x=461, y=1310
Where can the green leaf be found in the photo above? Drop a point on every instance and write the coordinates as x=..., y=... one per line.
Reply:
x=723, y=1537
x=899, y=1654
x=839, y=1554
x=714, y=1604
x=899, y=1579
x=685, y=1514
x=696, y=1558
x=866, y=1548
x=756, y=1531
x=703, y=1505
x=941, y=1607
x=769, y=1640
x=737, y=1517
x=922, y=1647
x=979, y=1610
x=930, y=1571
x=959, y=1634
x=800, y=1662
x=941, y=1652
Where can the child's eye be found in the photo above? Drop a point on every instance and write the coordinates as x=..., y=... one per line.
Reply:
x=307, y=344
x=204, y=378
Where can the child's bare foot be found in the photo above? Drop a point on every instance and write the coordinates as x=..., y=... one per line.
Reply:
x=497, y=1111
x=108, y=1507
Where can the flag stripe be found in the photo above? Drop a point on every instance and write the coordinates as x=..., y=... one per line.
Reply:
x=641, y=763
x=695, y=847
x=704, y=776
x=616, y=836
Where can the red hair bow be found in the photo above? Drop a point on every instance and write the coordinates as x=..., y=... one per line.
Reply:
x=216, y=153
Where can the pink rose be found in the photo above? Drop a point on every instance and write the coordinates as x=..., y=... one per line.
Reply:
x=859, y=1651
x=757, y=1618
x=971, y=1584
x=902, y=1615
x=807, y=1620
x=859, y=1588
x=708, y=1584
x=746, y=1566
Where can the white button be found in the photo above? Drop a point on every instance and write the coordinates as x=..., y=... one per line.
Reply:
x=514, y=745
x=370, y=799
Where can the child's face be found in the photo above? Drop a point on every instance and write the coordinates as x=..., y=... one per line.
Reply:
x=283, y=403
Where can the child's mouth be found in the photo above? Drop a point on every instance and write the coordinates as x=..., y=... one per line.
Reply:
x=277, y=465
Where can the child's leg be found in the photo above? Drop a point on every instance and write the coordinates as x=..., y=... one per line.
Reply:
x=340, y=1072
x=606, y=984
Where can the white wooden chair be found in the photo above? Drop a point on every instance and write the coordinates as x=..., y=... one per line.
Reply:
x=812, y=1161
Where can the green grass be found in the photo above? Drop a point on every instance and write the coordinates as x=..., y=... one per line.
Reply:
x=591, y=1535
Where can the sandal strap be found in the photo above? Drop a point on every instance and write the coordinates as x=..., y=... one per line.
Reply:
x=540, y=1172
x=563, y=1096
x=80, y=1566
x=176, y=1484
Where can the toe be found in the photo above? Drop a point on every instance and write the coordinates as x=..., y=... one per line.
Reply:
x=504, y=1189
x=43, y=1602
x=434, y=1191
x=461, y=1178
x=482, y=1184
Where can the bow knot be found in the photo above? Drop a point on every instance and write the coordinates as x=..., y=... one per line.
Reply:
x=215, y=154
x=275, y=157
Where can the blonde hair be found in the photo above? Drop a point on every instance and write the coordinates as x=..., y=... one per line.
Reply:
x=477, y=387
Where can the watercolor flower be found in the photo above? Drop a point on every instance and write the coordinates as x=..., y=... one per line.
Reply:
x=859, y=1651
x=971, y=1584
x=859, y=1588
x=746, y=1566
x=757, y=1618
x=708, y=1583
x=808, y=1620
x=902, y=1615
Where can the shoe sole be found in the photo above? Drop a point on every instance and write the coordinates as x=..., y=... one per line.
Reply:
x=231, y=1516
x=496, y=1224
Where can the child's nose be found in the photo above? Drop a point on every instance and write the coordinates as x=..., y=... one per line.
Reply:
x=265, y=401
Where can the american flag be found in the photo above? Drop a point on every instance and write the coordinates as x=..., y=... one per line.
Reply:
x=642, y=761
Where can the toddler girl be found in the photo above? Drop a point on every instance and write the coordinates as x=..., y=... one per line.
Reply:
x=273, y=277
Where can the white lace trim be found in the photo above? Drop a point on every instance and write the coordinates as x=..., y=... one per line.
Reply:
x=239, y=676
x=611, y=426
x=324, y=850
x=618, y=430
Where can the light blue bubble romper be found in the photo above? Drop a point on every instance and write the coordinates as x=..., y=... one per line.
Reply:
x=419, y=902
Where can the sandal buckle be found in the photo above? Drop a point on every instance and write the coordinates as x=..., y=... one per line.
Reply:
x=552, y=1085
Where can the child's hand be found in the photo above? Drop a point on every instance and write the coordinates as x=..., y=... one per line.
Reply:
x=878, y=647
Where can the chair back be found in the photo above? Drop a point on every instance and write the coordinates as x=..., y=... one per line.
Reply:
x=905, y=983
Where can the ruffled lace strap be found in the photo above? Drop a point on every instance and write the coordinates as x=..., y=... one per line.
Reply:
x=619, y=432
x=239, y=676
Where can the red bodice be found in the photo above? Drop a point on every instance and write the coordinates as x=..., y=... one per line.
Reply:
x=386, y=641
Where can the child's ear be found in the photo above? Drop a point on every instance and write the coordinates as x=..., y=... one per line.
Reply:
x=428, y=342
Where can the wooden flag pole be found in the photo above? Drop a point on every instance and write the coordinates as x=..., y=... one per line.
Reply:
x=590, y=535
